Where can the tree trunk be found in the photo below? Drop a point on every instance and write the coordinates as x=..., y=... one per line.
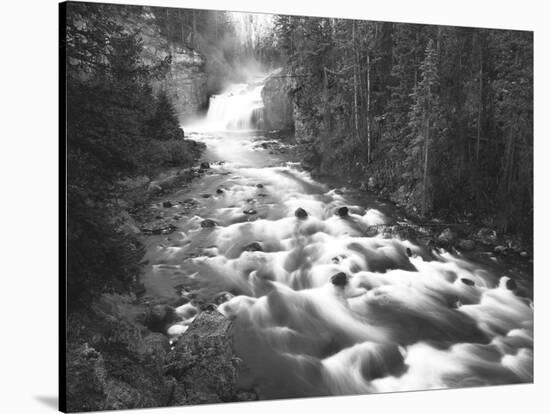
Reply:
x=355, y=109
x=193, y=38
x=425, y=177
x=368, y=112
x=480, y=103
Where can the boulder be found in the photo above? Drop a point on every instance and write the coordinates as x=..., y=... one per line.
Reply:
x=487, y=236
x=339, y=279
x=254, y=247
x=511, y=284
x=301, y=213
x=205, y=165
x=342, y=212
x=208, y=223
x=371, y=185
x=500, y=249
x=467, y=282
x=159, y=317
x=466, y=244
x=203, y=363
x=447, y=236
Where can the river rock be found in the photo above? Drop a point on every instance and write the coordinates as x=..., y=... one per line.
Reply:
x=511, y=284
x=342, y=212
x=222, y=298
x=447, y=236
x=207, y=223
x=467, y=282
x=339, y=279
x=371, y=185
x=159, y=317
x=203, y=363
x=487, y=236
x=466, y=244
x=500, y=249
x=254, y=247
x=300, y=213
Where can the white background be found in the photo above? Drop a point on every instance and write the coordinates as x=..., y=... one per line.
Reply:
x=29, y=204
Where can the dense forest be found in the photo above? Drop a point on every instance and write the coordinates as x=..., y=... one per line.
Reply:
x=439, y=116
x=118, y=126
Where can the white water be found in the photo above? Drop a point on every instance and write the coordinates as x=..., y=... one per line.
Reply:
x=239, y=108
x=400, y=323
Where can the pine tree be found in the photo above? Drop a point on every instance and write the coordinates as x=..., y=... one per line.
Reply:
x=424, y=121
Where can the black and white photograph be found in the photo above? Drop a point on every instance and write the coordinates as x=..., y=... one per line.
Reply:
x=281, y=206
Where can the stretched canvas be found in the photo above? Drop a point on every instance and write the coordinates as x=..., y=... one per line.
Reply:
x=267, y=207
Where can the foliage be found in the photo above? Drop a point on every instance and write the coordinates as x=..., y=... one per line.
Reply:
x=367, y=95
x=115, y=128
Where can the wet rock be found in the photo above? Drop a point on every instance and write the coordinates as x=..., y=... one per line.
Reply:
x=158, y=317
x=300, y=213
x=338, y=192
x=487, y=236
x=254, y=247
x=163, y=226
x=343, y=212
x=339, y=279
x=203, y=363
x=500, y=249
x=409, y=252
x=260, y=185
x=222, y=298
x=207, y=223
x=371, y=185
x=447, y=236
x=219, y=191
x=262, y=195
x=250, y=211
x=467, y=282
x=511, y=284
x=205, y=165
x=167, y=204
x=206, y=195
x=466, y=244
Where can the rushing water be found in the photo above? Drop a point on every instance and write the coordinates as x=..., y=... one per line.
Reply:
x=398, y=317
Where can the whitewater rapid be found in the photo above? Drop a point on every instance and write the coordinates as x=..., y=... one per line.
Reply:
x=319, y=307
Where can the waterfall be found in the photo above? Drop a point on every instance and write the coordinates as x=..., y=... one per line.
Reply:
x=239, y=107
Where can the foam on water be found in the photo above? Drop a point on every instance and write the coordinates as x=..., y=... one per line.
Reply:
x=408, y=318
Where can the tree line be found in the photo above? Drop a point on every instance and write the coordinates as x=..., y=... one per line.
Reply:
x=443, y=115
x=116, y=127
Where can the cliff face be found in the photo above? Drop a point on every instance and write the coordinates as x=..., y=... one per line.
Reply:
x=278, y=107
x=185, y=80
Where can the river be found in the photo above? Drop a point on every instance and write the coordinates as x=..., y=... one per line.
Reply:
x=320, y=305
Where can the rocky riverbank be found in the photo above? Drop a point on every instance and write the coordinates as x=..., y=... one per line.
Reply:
x=118, y=353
